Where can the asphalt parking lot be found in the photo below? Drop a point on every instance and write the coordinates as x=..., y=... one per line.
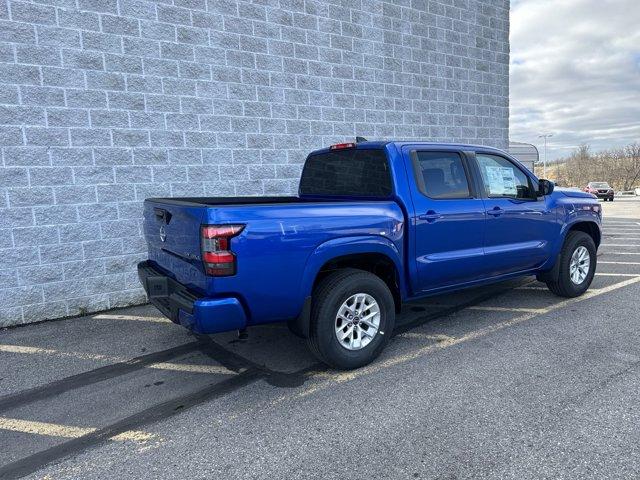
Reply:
x=506, y=381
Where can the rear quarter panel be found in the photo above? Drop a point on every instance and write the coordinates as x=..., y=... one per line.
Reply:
x=283, y=247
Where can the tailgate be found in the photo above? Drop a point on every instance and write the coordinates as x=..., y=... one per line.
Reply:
x=172, y=232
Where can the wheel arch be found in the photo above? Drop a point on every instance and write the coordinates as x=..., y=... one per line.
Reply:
x=590, y=227
x=374, y=254
x=587, y=226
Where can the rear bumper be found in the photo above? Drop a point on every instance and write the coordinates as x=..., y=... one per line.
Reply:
x=176, y=302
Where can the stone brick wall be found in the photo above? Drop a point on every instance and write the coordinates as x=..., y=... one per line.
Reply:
x=106, y=102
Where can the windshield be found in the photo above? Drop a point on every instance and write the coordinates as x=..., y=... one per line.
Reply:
x=599, y=185
x=348, y=172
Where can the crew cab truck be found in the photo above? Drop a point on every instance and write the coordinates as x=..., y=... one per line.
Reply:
x=374, y=224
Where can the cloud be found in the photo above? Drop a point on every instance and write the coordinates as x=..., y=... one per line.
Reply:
x=575, y=72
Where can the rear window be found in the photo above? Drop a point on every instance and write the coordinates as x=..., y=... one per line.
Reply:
x=351, y=172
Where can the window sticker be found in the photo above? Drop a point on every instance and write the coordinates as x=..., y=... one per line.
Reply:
x=501, y=180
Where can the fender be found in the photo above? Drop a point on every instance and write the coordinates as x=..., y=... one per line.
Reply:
x=339, y=247
x=551, y=269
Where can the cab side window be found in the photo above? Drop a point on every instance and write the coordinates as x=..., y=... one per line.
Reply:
x=441, y=175
x=503, y=179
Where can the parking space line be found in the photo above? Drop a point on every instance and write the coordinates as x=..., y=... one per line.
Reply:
x=621, y=253
x=137, y=318
x=67, y=431
x=187, y=367
x=487, y=308
x=425, y=336
x=618, y=263
x=48, y=351
x=505, y=309
x=342, y=377
x=602, y=274
x=620, y=244
x=177, y=367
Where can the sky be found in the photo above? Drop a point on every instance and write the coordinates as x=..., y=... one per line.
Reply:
x=575, y=73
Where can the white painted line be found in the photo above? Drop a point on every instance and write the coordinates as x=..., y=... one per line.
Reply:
x=621, y=253
x=617, y=274
x=67, y=431
x=426, y=336
x=186, y=367
x=49, y=351
x=618, y=263
x=177, y=367
x=505, y=309
x=620, y=244
x=487, y=308
x=136, y=318
x=337, y=378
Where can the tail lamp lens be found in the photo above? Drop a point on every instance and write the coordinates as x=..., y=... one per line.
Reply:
x=218, y=259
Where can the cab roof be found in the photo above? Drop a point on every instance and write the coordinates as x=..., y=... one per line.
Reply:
x=401, y=143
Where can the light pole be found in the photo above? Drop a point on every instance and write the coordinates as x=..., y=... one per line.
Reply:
x=544, y=162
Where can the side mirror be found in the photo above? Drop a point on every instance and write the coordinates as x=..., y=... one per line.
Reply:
x=545, y=187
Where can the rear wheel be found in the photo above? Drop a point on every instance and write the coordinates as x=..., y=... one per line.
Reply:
x=352, y=317
x=577, y=266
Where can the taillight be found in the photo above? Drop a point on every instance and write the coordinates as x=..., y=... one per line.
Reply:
x=217, y=256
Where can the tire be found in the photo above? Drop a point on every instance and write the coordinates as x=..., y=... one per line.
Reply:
x=564, y=286
x=332, y=296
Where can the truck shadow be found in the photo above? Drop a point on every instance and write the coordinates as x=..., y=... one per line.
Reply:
x=285, y=358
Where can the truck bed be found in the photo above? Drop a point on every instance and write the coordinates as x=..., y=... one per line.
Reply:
x=280, y=235
x=221, y=201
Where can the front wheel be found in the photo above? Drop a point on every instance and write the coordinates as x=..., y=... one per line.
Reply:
x=577, y=267
x=352, y=317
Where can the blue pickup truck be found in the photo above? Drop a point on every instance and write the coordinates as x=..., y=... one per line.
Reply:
x=374, y=224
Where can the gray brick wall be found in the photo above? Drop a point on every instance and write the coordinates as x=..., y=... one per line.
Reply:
x=106, y=102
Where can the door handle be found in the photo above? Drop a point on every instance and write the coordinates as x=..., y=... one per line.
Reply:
x=496, y=211
x=431, y=216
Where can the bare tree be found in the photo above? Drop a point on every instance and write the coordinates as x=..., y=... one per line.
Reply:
x=630, y=166
x=619, y=167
